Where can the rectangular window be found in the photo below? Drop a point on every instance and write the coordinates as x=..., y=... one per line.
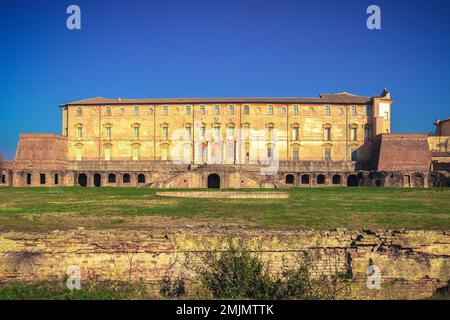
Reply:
x=78, y=154
x=187, y=132
x=327, y=154
x=295, y=154
x=353, y=111
x=79, y=132
x=386, y=115
x=107, y=154
x=28, y=178
x=202, y=110
x=295, y=110
x=295, y=133
x=328, y=111
x=354, y=154
x=136, y=111
x=188, y=110
x=231, y=110
x=56, y=179
x=353, y=134
x=217, y=132
x=108, y=133
x=327, y=134
x=136, y=133
x=270, y=110
x=230, y=133
x=246, y=110
x=165, y=110
x=135, y=154
x=216, y=110
x=202, y=132
x=165, y=133
x=42, y=178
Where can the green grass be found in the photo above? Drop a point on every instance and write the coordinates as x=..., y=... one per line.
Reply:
x=44, y=209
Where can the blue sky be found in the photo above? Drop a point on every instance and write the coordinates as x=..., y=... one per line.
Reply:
x=257, y=48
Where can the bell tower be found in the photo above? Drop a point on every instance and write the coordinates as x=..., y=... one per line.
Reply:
x=382, y=112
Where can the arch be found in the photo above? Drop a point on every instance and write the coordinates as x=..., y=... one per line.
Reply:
x=305, y=179
x=352, y=181
x=214, y=181
x=82, y=180
x=141, y=178
x=320, y=179
x=336, y=179
x=289, y=179
x=97, y=180
x=126, y=178
x=111, y=178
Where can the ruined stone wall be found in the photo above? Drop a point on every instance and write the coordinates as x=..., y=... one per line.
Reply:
x=412, y=263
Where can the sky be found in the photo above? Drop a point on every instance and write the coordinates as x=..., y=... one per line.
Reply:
x=218, y=48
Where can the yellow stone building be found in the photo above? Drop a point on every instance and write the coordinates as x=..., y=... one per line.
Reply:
x=337, y=127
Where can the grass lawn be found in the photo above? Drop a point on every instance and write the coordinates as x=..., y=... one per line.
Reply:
x=45, y=209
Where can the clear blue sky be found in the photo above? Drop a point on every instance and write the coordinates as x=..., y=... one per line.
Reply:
x=218, y=48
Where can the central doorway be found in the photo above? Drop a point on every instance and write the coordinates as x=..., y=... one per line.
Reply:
x=213, y=181
x=97, y=180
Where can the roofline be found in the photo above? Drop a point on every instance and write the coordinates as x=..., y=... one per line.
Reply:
x=153, y=101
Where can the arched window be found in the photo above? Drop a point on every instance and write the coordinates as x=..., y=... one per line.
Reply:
x=141, y=178
x=290, y=179
x=320, y=179
x=126, y=178
x=305, y=179
x=336, y=179
x=111, y=178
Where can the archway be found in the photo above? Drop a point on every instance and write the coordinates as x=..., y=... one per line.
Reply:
x=352, y=181
x=214, y=181
x=111, y=178
x=82, y=180
x=126, y=178
x=320, y=179
x=97, y=180
x=336, y=179
x=290, y=179
x=141, y=178
x=305, y=179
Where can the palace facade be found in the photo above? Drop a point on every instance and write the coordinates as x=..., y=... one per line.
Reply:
x=333, y=140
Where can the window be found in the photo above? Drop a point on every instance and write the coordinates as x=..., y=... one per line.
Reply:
x=353, y=134
x=79, y=112
x=327, y=133
x=188, y=110
x=216, y=110
x=217, y=132
x=328, y=111
x=42, y=178
x=107, y=154
x=136, y=111
x=126, y=178
x=230, y=132
x=28, y=178
x=354, y=111
x=270, y=110
x=202, y=110
x=141, y=178
x=187, y=133
x=165, y=133
x=56, y=179
x=108, y=133
x=111, y=178
x=295, y=133
x=246, y=110
x=231, y=110
x=165, y=110
x=135, y=154
x=202, y=131
x=108, y=111
x=327, y=154
x=366, y=133
x=80, y=132
x=386, y=115
x=136, y=132
x=269, y=152
x=354, y=154
x=295, y=110
x=295, y=154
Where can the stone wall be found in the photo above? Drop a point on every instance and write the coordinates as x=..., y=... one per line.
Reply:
x=413, y=264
